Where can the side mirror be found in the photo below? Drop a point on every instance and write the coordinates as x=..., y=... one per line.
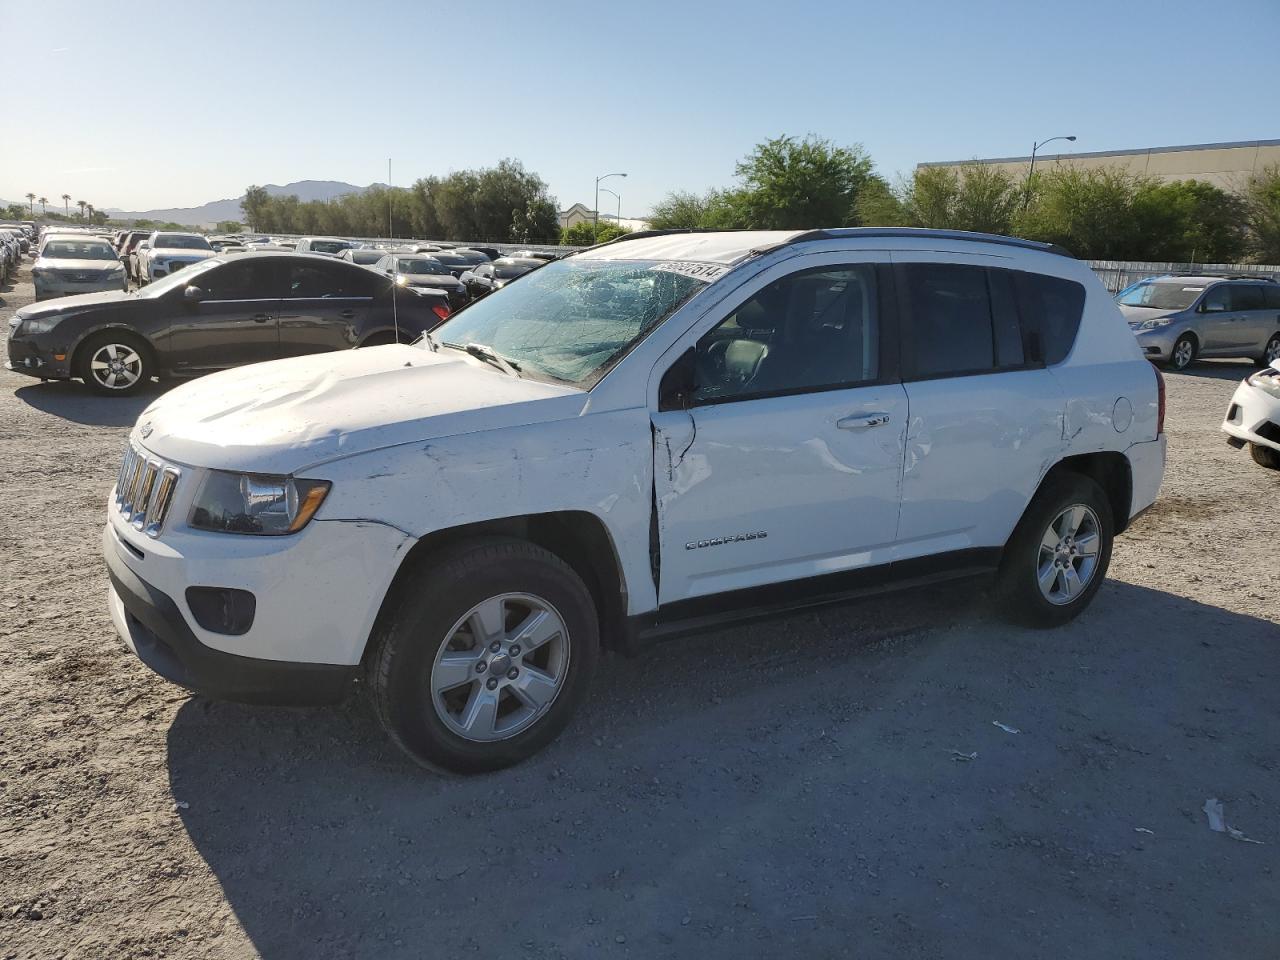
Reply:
x=678, y=383
x=194, y=294
x=1213, y=307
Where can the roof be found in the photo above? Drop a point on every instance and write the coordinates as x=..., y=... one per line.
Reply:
x=1136, y=152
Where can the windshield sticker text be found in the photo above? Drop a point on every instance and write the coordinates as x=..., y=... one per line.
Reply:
x=706, y=272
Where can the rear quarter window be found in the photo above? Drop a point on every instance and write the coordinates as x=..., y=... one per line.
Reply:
x=1050, y=308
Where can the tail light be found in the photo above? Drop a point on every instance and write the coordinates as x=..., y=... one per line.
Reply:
x=441, y=310
x=1160, y=407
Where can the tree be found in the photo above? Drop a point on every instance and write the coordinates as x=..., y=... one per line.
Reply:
x=583, y=233
x=1190, y=221
x=253, y=204
x=790, y=184
x=230, y=226
x=31, y=202
x=1262, y=206
x=81, y=204
x=66, y=204
x=1088, y=211
x=43, y=203
x=13, y=211
x=681, y=210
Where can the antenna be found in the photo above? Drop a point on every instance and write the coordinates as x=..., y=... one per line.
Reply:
x=395, y=315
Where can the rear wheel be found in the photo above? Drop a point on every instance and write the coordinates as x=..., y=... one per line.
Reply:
x=1058, y=556
x=1184, y=351
x=115, y=363
x=484, y=656
x=1271, y=352
x=1264, y=456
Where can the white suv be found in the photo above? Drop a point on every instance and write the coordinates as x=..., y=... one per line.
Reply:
x=666, y=431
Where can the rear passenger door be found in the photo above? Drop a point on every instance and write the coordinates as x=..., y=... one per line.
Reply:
x=986, y=416
x=1256, y=322
x=326, y=306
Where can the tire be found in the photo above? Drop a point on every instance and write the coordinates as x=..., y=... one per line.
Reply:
x=433, y=612
x=1264, y=456
x=1029, y=557
x=1183, y=353
x=130, y=359
x=1271, y=352
x=377, y=340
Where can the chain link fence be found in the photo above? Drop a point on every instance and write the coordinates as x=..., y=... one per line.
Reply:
x=1118, y=274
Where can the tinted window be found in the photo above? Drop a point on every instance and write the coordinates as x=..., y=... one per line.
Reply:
x=178, y=241
x=1271, y=296
x=241, y=280
x=318, y=281
x=809, y=331
x=1218, y=298
x=1051, y=309
x=951, y=325
x=1246, y=296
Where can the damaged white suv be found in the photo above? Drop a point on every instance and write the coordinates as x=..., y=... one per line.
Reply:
x=664, y=432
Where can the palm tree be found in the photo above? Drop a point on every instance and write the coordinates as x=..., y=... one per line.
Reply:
x=66, y=204
x=81, y=204
x=90, y=206
x=43, y=202
x=31, y=199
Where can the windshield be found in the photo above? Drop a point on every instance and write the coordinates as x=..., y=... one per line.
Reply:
x=421, y=265
x=329, y=246
x=158, y=288
x=178, y=241
x=366, y=256
x=72, y=250
x=574, y=319
x=1160, y=294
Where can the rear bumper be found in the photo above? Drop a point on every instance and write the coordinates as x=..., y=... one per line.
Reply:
x=154, y=628
x=47, y=287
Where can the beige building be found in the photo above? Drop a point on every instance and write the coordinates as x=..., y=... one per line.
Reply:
x=1227, y=165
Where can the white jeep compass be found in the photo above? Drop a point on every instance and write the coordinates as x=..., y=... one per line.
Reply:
x=666, y=431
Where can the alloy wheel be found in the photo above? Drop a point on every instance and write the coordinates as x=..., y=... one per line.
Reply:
x=1182, y=353
x=1068, y=556
x=1272, y=353
x=500, y=667
x=116, y=366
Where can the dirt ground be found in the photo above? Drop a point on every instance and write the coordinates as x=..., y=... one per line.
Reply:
x=789, y=789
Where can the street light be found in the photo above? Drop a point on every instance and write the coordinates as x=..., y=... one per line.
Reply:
x=595, y=224
x=619, y=199
x=1026, y=202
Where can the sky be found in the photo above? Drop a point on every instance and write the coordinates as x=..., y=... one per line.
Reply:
x=129, y=107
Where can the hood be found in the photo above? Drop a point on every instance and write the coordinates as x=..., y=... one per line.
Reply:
x=285, y=416
x=63, y=265
x=1138, y=314
x=74, y=304
x=184, y=252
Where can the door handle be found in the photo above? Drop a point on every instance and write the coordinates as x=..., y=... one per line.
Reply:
x=261, y=317
x=347, y=314
x=862, y=421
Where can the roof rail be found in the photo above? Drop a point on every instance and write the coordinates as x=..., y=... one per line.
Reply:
x=927, y=233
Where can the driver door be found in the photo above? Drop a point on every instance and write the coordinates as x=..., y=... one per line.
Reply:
x=779, y=437
x=236, y=322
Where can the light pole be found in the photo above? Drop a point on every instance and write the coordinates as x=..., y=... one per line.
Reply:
x=619, y=199
x=595, y=224
x=1026, y=201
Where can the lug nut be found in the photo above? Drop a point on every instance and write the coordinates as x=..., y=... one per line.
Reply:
x=512, y=673
x=493, y=683
x=515, y=649
x=495, y=646
x=481, y=667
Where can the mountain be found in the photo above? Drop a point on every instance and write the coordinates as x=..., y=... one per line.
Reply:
x=210, y=213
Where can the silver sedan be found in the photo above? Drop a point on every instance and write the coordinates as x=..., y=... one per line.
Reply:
x=71, y=265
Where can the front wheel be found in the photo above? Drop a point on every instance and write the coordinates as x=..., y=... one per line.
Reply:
x=115, y=364
x=1184, y=351
x=483, y=655
x=1058, y=556
x=1265, y=456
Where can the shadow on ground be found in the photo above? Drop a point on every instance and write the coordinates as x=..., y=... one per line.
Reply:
x=72, y=400
x=1216, y=370
x=793, y=788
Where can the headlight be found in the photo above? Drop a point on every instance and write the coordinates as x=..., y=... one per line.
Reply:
x=1268, y=381
x=402, y=280
x=256, y=504
x=1154, y=324
x=32, y=328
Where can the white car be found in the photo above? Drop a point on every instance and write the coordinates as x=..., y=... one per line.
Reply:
x=329, y=246
x=165, y=253
x=660, y=433
x=1253, y=416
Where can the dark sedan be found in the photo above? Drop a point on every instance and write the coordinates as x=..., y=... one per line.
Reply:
x=424, y=273
x=488, y=277
x=215, y=314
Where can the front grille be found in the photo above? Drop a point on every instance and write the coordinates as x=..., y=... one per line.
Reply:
x=175, y=265
x=144, y=491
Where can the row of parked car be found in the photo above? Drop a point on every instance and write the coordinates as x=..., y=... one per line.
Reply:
x=16, y=238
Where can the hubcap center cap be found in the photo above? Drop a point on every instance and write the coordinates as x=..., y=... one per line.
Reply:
x=500, y=664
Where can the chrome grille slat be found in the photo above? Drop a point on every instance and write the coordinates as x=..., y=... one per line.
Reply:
x=144, y=490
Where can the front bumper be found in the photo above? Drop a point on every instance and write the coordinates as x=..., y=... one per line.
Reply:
x=26, y=357
x=1157, y=344
x=1253, y=416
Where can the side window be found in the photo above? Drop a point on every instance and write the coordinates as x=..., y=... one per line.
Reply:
x=814, y=330
x=241, y=280
x=321, y=281
x=1051, y=309
x=951, y=326
x=1271, y=296
x=1246, y=296
x=1217, y=299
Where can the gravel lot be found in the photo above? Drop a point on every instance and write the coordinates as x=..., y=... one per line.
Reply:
x=783, y=790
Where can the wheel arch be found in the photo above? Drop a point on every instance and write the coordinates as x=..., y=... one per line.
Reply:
x=577, y=537
x=1111, y=471
x=77, y=351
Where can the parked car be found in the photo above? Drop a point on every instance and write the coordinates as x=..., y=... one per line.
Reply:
x=487, y=277
x=165, y=253
x=534, y=254
x=457, y=264
x=415, y=270
x=364, y=256
x=493, y=253
x=652, y=435
x=128, y=251
x=75, y=265
x=329, y=246
x=1253, y=416
x=1177, y=319
x=220, y=313
x=10, y=254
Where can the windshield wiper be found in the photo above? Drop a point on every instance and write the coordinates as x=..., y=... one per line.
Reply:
x=484, y=352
